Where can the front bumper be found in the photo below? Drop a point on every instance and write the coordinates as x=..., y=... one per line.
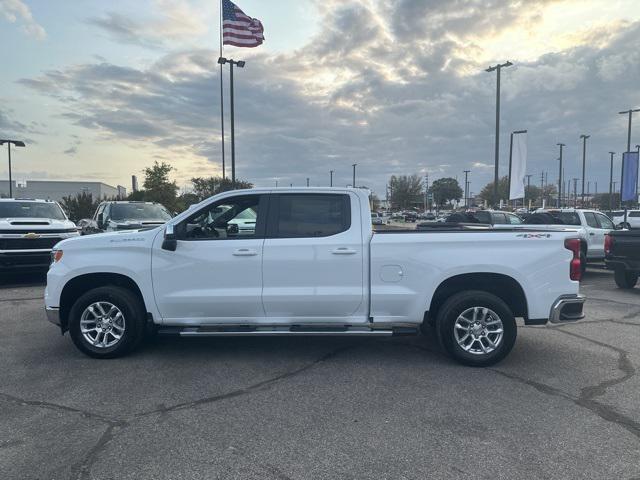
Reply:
x=10, y=260
x=53, y=315
x=567, y=308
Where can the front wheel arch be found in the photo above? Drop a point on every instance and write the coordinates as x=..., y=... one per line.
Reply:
x=78, y=286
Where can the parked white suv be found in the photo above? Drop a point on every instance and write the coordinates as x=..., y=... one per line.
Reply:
x=633, y=219
x=311, y=265
x=29, y=229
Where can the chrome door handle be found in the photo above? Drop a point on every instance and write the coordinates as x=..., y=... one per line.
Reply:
x=343, y=251
x=245, y=252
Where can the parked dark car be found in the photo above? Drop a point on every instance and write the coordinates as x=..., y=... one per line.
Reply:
x=488, y=217
x=125, y=215
x=622, y=255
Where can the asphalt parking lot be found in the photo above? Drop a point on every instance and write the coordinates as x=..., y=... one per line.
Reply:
x=563, y=405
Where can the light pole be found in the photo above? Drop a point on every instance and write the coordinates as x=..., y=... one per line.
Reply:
x=611, y=182
x=17, y=143
x=516, y=132
x=584, y=156
x=527, y=190
x=498, y=68
x=307, y=181
x=239, y=64
x=561, y=145
x=466, y=191
x=331, y=178
x=354, y=174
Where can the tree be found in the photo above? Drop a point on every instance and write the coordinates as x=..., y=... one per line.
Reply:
x=405, y=191
x=375, y=202
x=80, y=206
x=532, y=193
x=503, y=191
x=601, y=200
x=205, y=187
x=158, y=188
x=444, y=190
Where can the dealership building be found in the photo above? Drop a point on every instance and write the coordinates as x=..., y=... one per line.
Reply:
x=55, y=190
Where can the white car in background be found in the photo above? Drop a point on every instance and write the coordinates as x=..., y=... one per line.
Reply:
x=632, y=222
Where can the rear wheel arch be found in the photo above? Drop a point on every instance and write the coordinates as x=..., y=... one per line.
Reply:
x=78, y=286
x=502, y=286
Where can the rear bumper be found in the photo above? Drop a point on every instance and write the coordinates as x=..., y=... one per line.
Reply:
x=567, y=308
x=53, y=315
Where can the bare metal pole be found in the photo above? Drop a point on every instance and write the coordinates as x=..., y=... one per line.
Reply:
x=497, y=68
x=10, y=181
x=584, y=157
x=561, y=145
x=611, y=183
x=222, y=97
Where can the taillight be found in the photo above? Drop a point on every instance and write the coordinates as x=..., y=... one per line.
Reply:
x=575, y=268
x=608, y=244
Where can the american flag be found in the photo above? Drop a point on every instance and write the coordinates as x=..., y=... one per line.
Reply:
x=239, y=29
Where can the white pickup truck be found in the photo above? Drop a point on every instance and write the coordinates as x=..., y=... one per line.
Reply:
x=310, y=266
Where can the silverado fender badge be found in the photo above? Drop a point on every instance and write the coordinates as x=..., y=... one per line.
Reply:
x=534, y=235
x=31, y=235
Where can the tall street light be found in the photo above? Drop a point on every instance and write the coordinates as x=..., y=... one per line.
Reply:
x=354, y=175
x=611, y=182
x=528, y=189
x=331, y=178
x=466, y=188
x=17, y=143
x=498, y=69
x=239, y=64
x=561, y=145
x=584, y=161
x=516, y=132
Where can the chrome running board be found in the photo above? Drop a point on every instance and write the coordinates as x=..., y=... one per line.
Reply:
x=274, y=331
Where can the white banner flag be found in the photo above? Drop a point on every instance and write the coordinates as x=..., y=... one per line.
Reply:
x=518, y=166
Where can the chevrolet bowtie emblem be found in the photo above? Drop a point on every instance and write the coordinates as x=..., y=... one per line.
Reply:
x=32, y=235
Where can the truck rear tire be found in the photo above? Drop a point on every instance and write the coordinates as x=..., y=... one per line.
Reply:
x=107, y=322
x=625, y=279
x=476, y=328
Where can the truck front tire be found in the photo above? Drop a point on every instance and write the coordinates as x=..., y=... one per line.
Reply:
x=107, y=322
x=476, y=328
x=625, y=279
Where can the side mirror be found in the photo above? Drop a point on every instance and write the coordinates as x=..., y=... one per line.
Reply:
x=170, y=241
x=100, y=220
x=232, y=229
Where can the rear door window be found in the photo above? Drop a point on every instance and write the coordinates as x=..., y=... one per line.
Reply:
x=591, y=220
x=309, y=215
x=499, y=218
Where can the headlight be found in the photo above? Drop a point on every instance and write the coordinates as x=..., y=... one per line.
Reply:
x=56, y=255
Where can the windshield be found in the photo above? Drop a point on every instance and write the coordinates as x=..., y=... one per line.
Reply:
x=31, y=210
x=138, y=211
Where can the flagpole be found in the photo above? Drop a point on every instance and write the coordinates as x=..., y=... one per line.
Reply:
x=221, y=97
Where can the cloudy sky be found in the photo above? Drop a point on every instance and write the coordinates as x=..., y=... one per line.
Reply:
x=100, y=90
